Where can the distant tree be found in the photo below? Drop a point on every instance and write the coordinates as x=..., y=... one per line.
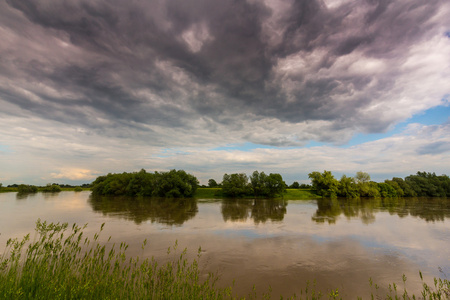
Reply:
x=175, y=184
x=305, y=186
x=386, y=190
x=267, y=185
x=406, y=188
x=212, y=183
x=324, y=184
x=26, y=189
x=347, y=187
x=362, y=177
x=258, y=183
x=275, y=185
x=172, y=184
x=78, y=189
x=398, y=190
x=366, y=188
x=294, y=185
x=235, y=185
x=52, y=188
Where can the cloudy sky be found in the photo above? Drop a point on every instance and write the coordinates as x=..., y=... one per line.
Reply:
x=89, y=87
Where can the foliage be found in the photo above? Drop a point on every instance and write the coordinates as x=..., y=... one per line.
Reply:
x=212, y=183
x=235, y=185
x=422, y=184
x=172, y=184
x=347, y=187
x=78, y=189
x=386, y=190
x=429, y=184
x=26, y=189
x=294, y=185
x=324, y=184
x=52, y=188
x=362, y=177
x=261, y=185
x=267, y=185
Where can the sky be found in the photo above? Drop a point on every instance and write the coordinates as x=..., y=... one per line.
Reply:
x=89, y=87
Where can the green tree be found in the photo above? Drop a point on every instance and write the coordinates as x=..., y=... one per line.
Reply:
x=347, y=187
x=235, y=185
x=267, y=185
x=406, y=188
x=52, y=188
x=175, y=184
x=386, y=190
x=258, y=183
x=366, y=188
x=172, y=184
x=398, y=190
x=212, y=183
x=362, y=177
x=294, y=185
x=26, y=189
x=324, y=184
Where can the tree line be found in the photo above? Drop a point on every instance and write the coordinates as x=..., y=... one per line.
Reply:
x=179, y=184
x=422, y=184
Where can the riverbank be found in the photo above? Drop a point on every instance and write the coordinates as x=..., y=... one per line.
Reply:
x=206, y=193
x=291, y=194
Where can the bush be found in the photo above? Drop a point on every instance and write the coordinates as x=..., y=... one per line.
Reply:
x=52, y=188
x=26, y=189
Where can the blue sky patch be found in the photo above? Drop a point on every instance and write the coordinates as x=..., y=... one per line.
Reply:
x=433, y=116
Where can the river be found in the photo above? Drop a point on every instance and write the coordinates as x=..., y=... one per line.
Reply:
x=332, y=243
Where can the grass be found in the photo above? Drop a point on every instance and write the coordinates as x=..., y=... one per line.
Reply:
x=300, y=194
x=60, y=266
x=61, y=263
x=208, y=193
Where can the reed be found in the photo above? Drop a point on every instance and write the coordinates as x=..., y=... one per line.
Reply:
x=71, y=266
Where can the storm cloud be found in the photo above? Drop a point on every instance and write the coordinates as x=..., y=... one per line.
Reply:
x=198, y=73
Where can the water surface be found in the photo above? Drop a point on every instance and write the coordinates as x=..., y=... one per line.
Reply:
x=281, y=243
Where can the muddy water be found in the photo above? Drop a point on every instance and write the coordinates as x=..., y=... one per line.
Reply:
x=333, y=244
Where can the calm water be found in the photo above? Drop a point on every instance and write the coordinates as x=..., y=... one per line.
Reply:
x=281, y=243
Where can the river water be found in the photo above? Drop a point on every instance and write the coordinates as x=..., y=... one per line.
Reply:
x=334, y=244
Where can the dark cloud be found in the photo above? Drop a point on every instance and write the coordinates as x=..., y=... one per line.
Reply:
x=171, y=63
x=434, y=148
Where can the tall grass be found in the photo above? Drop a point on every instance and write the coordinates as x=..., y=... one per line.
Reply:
x=60, y=266
x=61, y=263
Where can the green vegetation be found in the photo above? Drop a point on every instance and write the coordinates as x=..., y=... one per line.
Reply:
x=27, y=189
x=172, y=184
x=300, y=194
x=60, y=266
x=208, y=193
x=212, y=183
x=422, y=185
x=261, y=185
x=78, y=189
x=61, y=263
x=51, y=188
